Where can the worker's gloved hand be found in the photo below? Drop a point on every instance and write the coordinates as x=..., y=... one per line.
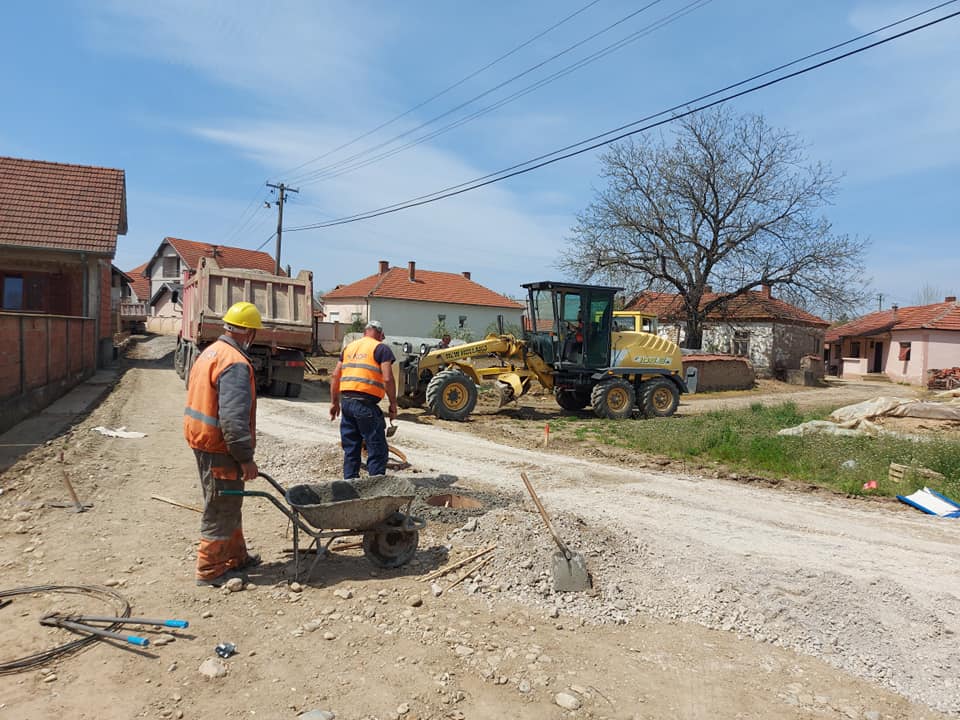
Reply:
x=334, y=411
x=250, y=471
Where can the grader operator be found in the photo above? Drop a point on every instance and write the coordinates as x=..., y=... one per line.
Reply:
x=569, y=346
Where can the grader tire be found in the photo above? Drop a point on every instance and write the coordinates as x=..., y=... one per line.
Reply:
x=451, y=395
x=613, y=399
x=573, y=400
x=660, y=398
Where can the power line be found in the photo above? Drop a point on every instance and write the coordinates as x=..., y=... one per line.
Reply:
x=306, y=176
x=263, y=244
x=447, y=89
x=512, y=172
x=603, y=52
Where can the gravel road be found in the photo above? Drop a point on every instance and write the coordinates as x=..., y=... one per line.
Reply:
x=870, y=589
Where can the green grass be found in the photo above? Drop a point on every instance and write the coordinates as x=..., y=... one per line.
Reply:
x=746, y=441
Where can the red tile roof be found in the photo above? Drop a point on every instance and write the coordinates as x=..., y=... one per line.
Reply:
x=63, y=207
x=938, y=316
x=140, y=283
x=753, y=306
x=428, y=285
x=226, y=256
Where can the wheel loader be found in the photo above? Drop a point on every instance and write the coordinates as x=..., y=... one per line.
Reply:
x=568, y=345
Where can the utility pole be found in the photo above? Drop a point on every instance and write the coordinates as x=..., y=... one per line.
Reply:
x=879, y=301
x=282, y=198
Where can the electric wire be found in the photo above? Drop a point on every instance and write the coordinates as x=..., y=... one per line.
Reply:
x=447, y=89
x=44, y=656
x=261, y=245
x=526, y=166
x=307, y=176
x=603, y=52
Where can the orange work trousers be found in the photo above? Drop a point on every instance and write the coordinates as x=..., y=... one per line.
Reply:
x=222, y=546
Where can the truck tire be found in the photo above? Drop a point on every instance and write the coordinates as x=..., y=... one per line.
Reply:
x=573, y=399
x=613, y=399
x=178, y=360
x=189, y=355
x=278, y=388
x=660, y=398
x=451, y=395
x=293, y=389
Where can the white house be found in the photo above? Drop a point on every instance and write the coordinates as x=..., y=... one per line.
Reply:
x=415, y=302
x=159, y=281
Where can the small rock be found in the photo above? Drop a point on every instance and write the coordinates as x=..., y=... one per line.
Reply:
x=207, y=614
x=436, y=590
x=164, y=639
x=329, y=636
x=871, y=715
x=523, y=686
x=415, y=601
x=112, y=582
x=172, y=667
x=297, y=587
x=470, y=525
x=21, y=516
x=234, y=584
x=213, y=668
x=403, y=708
x=50, y=678
x=178, y=714
x=554, y=612
x=463, y=650
x=312, y=626
x=317, y=715
x=567, y=701
x=343, y=593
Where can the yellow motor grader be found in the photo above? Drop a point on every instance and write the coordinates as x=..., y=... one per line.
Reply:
x=569, y=345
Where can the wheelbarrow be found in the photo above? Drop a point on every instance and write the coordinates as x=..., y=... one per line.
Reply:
x=369, y=506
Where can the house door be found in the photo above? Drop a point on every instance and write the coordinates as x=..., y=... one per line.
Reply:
x=878, y=357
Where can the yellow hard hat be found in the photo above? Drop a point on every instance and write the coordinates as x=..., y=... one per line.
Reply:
x=243, y=314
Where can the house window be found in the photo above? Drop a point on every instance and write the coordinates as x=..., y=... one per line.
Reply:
x=171, y=266
x=441, y=319
x=816, y=346
x=463, y=321
x=335, y=316
x=12, y=292
x=741, y=342
x=855, y=349
x=904, y=351
x=355, y=317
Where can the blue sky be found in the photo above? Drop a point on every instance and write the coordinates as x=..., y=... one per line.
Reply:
x=201, y=102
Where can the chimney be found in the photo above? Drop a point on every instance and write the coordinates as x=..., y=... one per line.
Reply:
x=466, y=274
x=894, y=309
x=765, y=290
x=412, y=269
x=384, y=266
x=950, y=298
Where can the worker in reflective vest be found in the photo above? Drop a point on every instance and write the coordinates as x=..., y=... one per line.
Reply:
x=219, y=423
x=363, y=376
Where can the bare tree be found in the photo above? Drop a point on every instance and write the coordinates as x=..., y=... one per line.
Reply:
x=928, y=294
x=732, y=203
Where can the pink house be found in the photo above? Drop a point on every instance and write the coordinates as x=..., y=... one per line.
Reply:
x=904, y=344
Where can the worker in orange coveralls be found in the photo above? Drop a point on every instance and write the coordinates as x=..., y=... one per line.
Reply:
x=219, y=423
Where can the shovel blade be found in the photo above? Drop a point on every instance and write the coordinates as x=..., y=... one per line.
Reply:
x=570, y=575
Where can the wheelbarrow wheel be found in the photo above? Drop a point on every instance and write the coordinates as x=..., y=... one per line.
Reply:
x=390, y=548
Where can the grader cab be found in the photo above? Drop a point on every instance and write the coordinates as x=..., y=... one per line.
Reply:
x=569, y=345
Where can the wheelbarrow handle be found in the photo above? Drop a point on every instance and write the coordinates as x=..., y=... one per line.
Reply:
x=277, y=486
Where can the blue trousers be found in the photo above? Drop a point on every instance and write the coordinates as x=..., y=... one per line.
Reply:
x=362, y=422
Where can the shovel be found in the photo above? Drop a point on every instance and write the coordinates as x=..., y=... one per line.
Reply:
x=569, y=568
x=392, y=430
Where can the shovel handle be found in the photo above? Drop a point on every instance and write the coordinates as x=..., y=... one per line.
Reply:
x=543, y=514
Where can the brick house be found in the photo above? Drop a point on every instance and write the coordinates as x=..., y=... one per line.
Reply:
x=58, y=234
x=412, y=302
x=159, y=281
x=902, y=343
x=771, y=333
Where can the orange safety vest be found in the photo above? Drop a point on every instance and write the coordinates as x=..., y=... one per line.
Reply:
x=361, y=373
x=201, y=416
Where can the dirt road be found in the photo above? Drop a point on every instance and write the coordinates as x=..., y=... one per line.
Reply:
x=713, y=599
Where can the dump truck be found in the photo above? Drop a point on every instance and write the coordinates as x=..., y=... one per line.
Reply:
x=569, y=345
x=285, y=305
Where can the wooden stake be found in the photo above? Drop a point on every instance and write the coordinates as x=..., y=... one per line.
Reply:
x=459, y=564
x=77, y=505
x=174, y=502
x=470, y=572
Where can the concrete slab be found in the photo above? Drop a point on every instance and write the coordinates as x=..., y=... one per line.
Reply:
x=54, y=419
